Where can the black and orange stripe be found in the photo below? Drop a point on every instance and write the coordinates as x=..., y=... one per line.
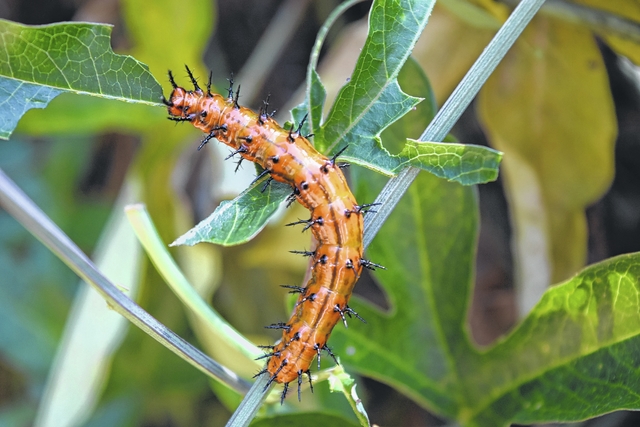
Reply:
x=336, y=220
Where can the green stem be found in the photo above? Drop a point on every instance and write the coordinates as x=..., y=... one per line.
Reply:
x=320, y=38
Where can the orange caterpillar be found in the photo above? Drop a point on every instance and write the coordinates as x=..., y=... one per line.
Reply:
x=319, y=185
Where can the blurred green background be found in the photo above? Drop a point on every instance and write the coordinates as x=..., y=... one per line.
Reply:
x=73, y=164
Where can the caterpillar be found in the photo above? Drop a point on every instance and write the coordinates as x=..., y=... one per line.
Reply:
x=319, y=185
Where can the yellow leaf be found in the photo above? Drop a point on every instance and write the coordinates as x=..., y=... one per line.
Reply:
x=485, y=14
x=628, y=45
x=447, y=48
x=168, y=34
x=624, y=8
x=549, y=109
x=625, y=47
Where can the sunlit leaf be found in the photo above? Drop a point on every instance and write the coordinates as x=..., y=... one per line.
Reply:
x=39, y=62
x=573, y=357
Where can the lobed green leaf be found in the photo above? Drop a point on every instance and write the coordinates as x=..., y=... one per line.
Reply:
x=575, y=356
x=239, y=220
x=407, y=27
x=462, y=163
x=37, y=63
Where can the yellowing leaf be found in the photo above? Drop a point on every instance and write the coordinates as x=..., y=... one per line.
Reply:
x=549, y=109
x=478, y=13
x=625, y=9
x=168, y=34
x=447, y=48
x=625, y=47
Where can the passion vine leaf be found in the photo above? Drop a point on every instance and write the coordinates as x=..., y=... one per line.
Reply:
x=372, y=99
x=317, y=97
x=408, y=346
x=462, y=163
x=365, y=107
x=239, y=220
x=37, y=63
x=573, y=357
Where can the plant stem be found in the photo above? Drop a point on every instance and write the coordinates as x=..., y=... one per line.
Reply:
x=23, y=209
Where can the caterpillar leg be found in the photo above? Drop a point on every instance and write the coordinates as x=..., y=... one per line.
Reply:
x=300, y=373
x=365, y=208
x=275, y=375
x=371, y=265
x=264, y=371
x=294, y=289
x=284, y=393
x=319, y=349
x=349, y=312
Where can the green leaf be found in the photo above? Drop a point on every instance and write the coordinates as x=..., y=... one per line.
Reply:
x=242, y=218
x=317, y=97
x=413, y=123
x=574, y=357
x=427, y=282
x=372, y=99
x=376, y=87
x=16, y=98
x=238, y=221
x=340, y=381
x=299, y=114
x=463, y=163
x=37, y=63
x=578, y=345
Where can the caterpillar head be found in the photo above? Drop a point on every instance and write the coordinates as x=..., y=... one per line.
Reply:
x=180, y=102
x=178, y=105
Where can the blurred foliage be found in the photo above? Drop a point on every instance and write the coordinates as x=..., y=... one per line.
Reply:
x=547, y=107
x=534, y=109
x=36, y=288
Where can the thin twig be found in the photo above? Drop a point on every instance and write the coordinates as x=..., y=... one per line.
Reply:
x=23, y=209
